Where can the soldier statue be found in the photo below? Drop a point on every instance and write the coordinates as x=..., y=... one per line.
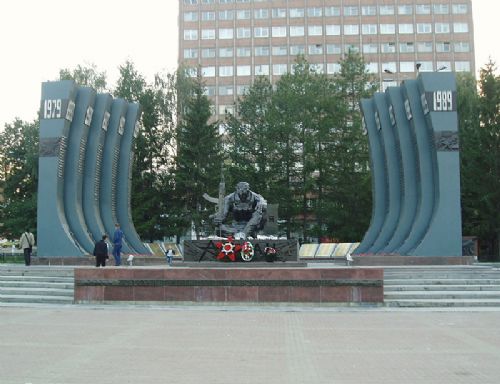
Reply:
x=247, y=210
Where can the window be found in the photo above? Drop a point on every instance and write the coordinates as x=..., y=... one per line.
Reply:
x=440, y=9
x=226, y=15
x=351, y=29
x=226, y=90
x=372, y=67
x=406, y=66
x=243, y=52
x=296, y=30
x=389, y=66
x=190, y=53
x=279, y=31
x=208, y=53
x=387, y=29
x=424, y=46
x=462, y=66
x=370, y=48
x=296, y=12
x=243, y=33
x=190, y=16
x=226, y=52
x=459, y=9
x=262, y=70
x=208, y=16
x=243, y=14
x=278, y=13
x=426, y=66
x=386, y=10
x=369, y=10
x=226, y=109
x=207, y=1
x=461, y=46
x=261, y=13
x=332, y=30
x=190, y=2
x=351, y=11
x=243, y=70
x=388, y=47
x=443, y=46
x=226, y=70
x=241, y=89
x=209, y=90
x=369, y=29
x=190, y=34
x=315, y=30
x=226, y=1
x=332, y=11
x=279, y=69
x=315, y=49
x=333, y=49
x=442, y=28
x=443, y=66
x=262, y=51
x=405, y=28
x=406, y=47
x=423, y=9
x=424, y=28
x=208, y=34
x=226, y=33
x=208, y=71
x=351, y=48
x=332, y=68
x=315, y=12
x=317, y=67
x=280, y=50
x=261, y=32
x=460, y=27
x=405, y=9
x=297, y=50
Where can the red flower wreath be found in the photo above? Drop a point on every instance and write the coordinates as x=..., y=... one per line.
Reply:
x=228, y=249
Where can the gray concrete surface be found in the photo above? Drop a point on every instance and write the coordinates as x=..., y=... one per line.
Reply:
x=202, y=344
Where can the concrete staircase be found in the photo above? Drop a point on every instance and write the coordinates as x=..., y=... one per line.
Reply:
x=442, y=286
x=36, y=284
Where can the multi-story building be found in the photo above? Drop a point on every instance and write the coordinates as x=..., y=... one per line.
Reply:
x=233, y=41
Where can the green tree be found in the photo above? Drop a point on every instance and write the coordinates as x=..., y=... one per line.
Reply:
x=249, y=145
x=480, y=158
x=351, y=197
x=19, y=173
x=198, y=159
x=152, y=148
x=86, y=76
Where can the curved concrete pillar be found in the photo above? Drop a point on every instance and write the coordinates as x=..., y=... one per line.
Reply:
x=93, y=163
x=109, y=168
x=438, y=99
x=392, y=155
x=427, y=167
x=409, y=169
x=57, y=111
x=379, y=176
x=124, y=176
x=73, y=180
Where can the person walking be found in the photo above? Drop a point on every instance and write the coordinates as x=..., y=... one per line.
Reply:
x=101, y=252
x=117, y=244
x=170, y=256
x=26, y=243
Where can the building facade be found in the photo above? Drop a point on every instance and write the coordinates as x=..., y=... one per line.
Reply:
x=233, y=41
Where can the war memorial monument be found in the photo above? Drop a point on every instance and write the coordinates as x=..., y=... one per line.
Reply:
x=86, y=154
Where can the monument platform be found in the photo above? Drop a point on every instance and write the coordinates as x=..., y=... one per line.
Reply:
x=348, y=286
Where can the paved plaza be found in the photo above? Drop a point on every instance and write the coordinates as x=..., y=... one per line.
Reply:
x=209, y=344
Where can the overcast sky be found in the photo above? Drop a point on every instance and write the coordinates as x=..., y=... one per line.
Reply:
x=39, y=37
